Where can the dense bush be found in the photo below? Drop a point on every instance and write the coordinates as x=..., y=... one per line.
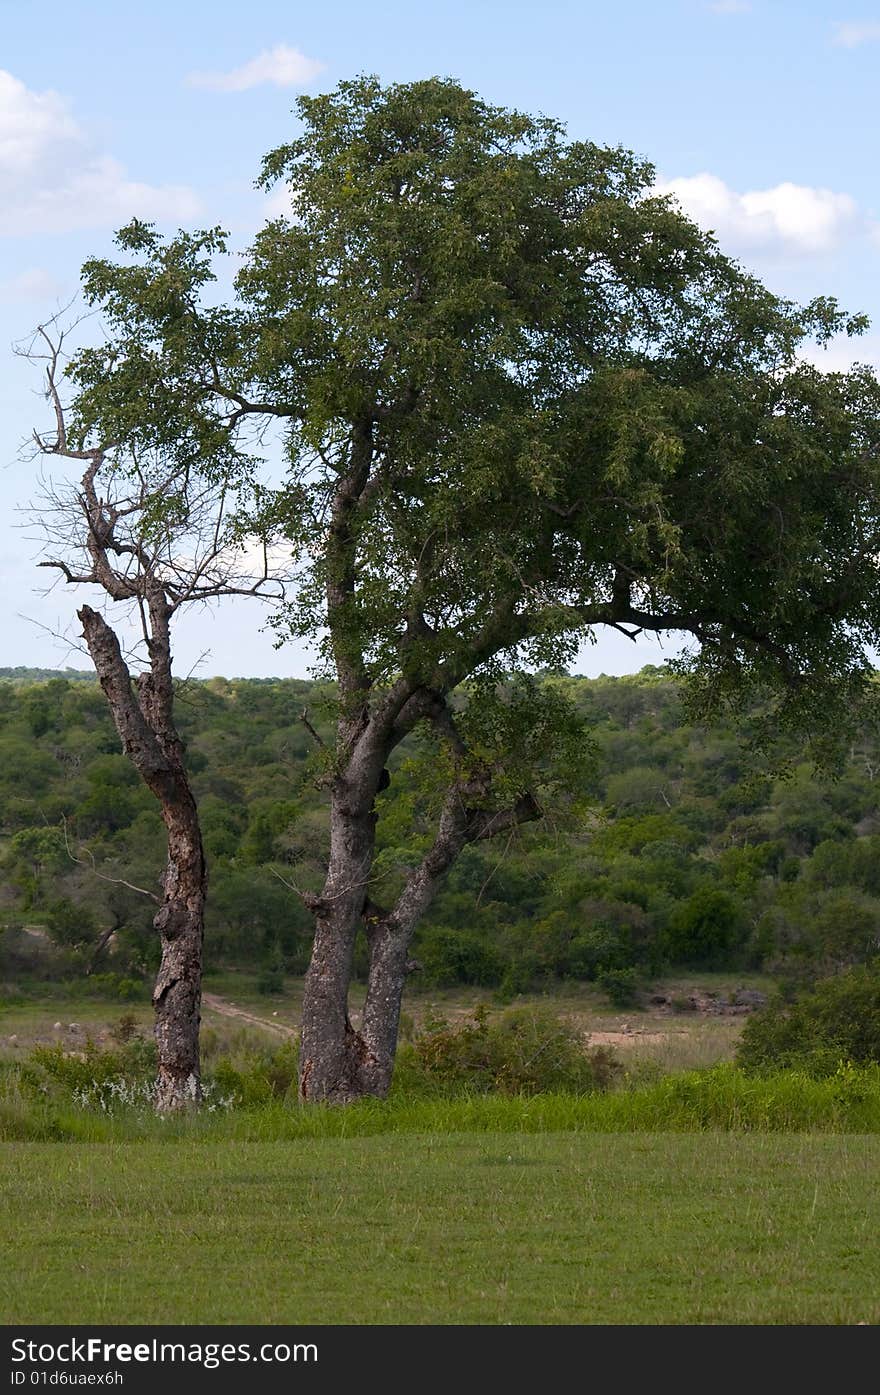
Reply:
x=837, y=1020
x=677, y=849
x=255, y=1075
x=620, y=986
x=706, y=929
x=92, y=1065
x=524, y=1051
x=449, y=957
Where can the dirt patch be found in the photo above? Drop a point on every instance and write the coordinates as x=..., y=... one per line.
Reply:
x=225, y=1009
x=631, y=1038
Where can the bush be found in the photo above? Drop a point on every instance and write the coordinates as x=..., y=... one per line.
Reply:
x=620, y=986
x=270, y=981
x=705, y=929
x=524, y=1051
x=516, y=979
x=449, y=957
x=71, y=925
x=257, y=1078
x=837, y=1019
x=127, y=990
x=53, y=1069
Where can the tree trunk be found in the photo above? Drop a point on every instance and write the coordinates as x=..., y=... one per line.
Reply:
x=177, y=994
x=151, y=742
x=331, y=1053
x=390, y=936
x=389, y=960
x=337, y=1063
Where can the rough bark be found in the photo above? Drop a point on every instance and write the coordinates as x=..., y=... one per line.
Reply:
x=151, y=742
x=331, y=1052
x=390, y=936
x=178, y=990
x=338, y=1063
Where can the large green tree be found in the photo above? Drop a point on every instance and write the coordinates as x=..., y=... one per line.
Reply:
x=519, y=398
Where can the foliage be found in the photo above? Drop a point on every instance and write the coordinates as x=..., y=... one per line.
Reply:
x=705, y=929
x=620, y=986
x=834, y=1022
x=599, y=888
x=522, y=1052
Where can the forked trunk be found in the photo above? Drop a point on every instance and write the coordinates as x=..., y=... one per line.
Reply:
x=341, y=1064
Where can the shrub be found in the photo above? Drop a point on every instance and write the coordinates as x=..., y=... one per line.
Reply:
x=620, y=986
x=71, y=925
x=269, y=981
x=449, y=957
x=837, y=1019
x=601, y=945
x=254, y=1077
x=705, y=929
x=524, y=1051
x=271, y=977
x=52, y=1069
x=517, y=978
x=127, y=990
x=126, y=1029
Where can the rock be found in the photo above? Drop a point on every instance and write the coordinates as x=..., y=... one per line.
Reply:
x=13, y=1039
x=73, y=1027
x=56, y=1026
x=749, y=998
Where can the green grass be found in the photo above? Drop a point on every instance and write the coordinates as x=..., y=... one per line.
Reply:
x=475, y=1228
x=720, y=1099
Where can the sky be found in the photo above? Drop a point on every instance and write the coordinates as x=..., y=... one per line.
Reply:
x=761, y=118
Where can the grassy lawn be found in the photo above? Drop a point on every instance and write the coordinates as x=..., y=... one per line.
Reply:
x=476, y=1228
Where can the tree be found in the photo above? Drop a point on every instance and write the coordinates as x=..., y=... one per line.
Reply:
x=154, y=540
x=521, y=397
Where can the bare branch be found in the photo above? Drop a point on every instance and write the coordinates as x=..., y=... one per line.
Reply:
x=116, y=881
x=315, y=735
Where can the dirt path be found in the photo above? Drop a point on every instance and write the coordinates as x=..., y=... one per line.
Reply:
x=633, y=1037
x=225, y=1009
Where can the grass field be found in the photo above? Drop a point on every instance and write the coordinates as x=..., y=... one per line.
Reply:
x=690, y=1193
x=555, y=1228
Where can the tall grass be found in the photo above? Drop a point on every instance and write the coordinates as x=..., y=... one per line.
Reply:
x=720, y=1098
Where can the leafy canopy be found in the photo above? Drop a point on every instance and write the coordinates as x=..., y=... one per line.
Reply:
x=520, y=396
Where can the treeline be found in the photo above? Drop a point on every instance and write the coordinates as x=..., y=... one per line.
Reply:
x=677, y=851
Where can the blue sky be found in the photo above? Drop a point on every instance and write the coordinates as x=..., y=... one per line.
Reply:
x=761, y=117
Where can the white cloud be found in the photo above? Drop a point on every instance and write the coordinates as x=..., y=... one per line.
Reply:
x=52, y=180
x=35, y=284
x=281, y=66
x=842, y=353
x=789, y=218
x=279, y=203
x=850, y=35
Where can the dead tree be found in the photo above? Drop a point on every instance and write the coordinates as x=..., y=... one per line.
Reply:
x=154, y=543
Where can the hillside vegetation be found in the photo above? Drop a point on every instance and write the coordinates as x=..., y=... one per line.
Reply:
x=678, y=851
